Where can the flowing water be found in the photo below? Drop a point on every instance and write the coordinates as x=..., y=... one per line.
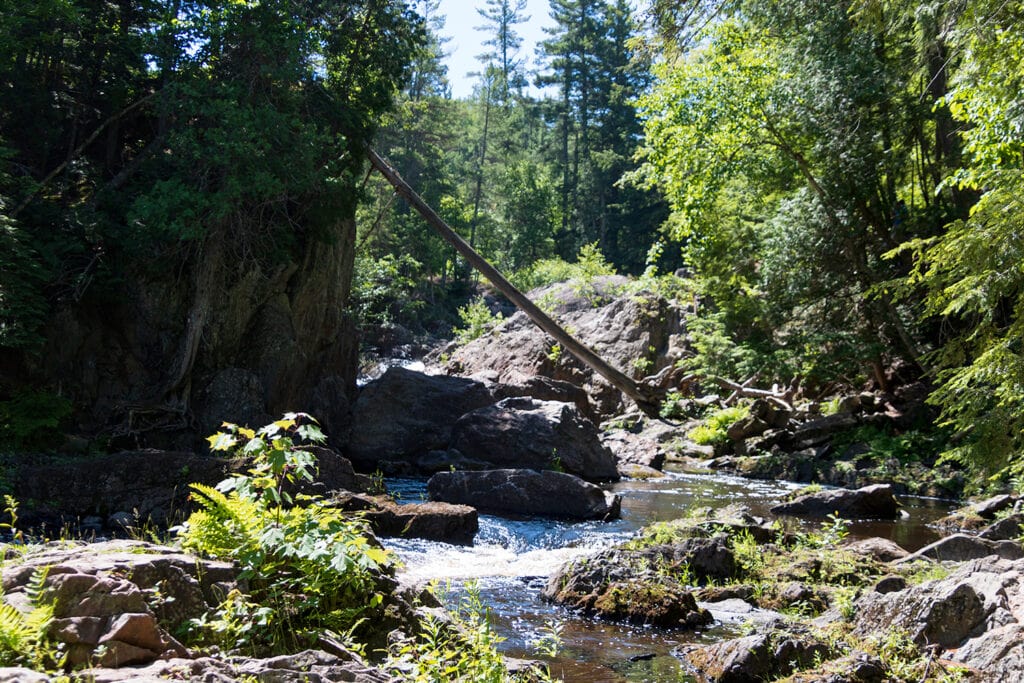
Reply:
x=511, y=560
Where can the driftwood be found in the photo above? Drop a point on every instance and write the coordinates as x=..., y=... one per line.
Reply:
x=784, y=398
x=647, y=398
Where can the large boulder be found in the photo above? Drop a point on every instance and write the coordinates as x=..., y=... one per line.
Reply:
x=525, y=492
x=757, y=657
x=405, y=414
x=870, y=502
x=637, y=333
x=612, y=585
x=965, y=610
x=526, y=433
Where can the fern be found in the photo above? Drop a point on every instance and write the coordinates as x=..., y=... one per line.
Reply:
x=24, y=637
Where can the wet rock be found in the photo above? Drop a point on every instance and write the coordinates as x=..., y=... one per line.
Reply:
x=609, y=585
x=757, y=657
x=870, y=502
x=433, y=521
x=406, y=414
x=525, y=492
x=961, y=547
x=526, y=433
x=881, y=549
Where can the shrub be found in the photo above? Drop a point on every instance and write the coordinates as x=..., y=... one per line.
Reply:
x=309, y=567
x=713, y=430
x=30, y=419
x=477, y=320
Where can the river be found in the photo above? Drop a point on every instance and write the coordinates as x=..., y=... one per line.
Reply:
x=511, y=559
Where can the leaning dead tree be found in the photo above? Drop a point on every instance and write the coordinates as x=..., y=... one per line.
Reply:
x=647, y=398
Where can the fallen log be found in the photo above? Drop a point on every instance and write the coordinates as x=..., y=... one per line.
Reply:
x=784, y=400
x=647, y=398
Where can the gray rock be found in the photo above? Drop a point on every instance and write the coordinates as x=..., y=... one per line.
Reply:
x=526, y=433
x=621, y=328
x=890, y=584
x=762, y=656
x=990, y=507
x=818, y=430
x=870, y=502
x=309, y=666
x=405, y=414
x=1007, y=529
x=961, y=547
x=19, y=674
x=122, y=595
x=625, y=585
x=881, y=549
x=949, y=612
x=525, y=492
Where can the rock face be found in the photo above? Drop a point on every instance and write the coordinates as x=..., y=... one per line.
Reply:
x=145, y=486
x=405, y=414
x=225, y=337
x=137, y=488
x=870, y=502
x=630, y=332
x=526, y=433
x=527, y=492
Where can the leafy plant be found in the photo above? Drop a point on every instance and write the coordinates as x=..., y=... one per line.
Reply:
x=310, y=568
x=713, y=429
x=477, y=320
x=30, y=419
x=463, y=650
x=24, y=637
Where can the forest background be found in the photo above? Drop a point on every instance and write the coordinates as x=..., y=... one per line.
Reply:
x=842, y=181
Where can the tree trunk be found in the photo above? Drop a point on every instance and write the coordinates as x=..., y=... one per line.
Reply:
x=645, y=397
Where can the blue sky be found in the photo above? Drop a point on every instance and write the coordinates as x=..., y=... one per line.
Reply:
x=466, y=42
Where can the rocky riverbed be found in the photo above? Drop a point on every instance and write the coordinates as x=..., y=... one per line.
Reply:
x=744, y=586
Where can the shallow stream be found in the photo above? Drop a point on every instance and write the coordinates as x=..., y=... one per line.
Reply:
x=511, y=560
